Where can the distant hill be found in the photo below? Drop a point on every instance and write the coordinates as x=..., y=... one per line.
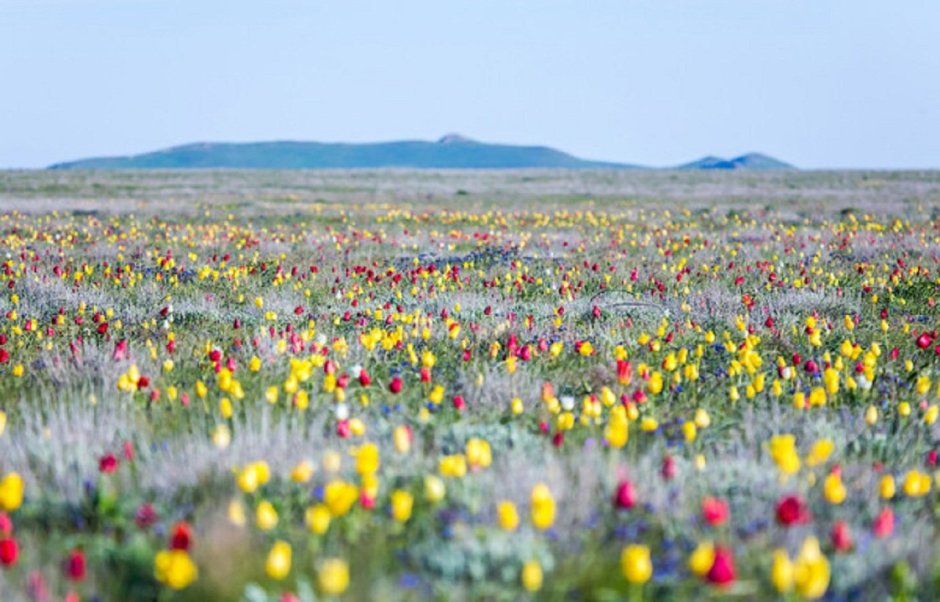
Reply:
x=450, y=152
x=748, y=161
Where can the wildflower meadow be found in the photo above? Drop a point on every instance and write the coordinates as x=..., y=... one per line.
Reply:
x=545, y=386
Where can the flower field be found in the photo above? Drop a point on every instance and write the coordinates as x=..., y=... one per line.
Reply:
x=648, y=395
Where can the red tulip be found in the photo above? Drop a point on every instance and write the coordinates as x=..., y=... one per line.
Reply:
x=624, y=372
x=75, y=566
x=459, y=402
x=841, y=536
x=792, y=510
x=107, y=463
x=128, y=451
x=182, y=536
x=9, y=551
x=668, y=469
x=626, y=495
x=715, y=510
x=120, y=350
x=145, y=516
x=884, y=523
x=395, y=385
x=364, y=379
x=722, y=571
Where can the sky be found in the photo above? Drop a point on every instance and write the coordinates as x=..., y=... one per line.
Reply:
x=818, y=83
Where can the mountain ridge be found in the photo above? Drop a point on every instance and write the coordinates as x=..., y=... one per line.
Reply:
x=745, y=161
x=451, y=151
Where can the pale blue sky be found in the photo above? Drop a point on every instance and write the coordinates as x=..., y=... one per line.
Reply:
x=818, y=83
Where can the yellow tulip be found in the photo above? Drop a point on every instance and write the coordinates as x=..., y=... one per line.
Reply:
x=175, y=569
x=434, y=489
x=302, y=472
x=887, y=487
x=702, y=558
x=507, y=515
x=367, y=459
x=532, y=576
x=278, y=563
x=402, y=503
x=916, y=483
x=811, y=570
x=266, y=516
x=333, y=576
x=339, y=496
x=784, y=454
x=636, y=564
x=781, y=571
x=833, y=489
x=317, y=518
x=11, y=492
x=542, y=507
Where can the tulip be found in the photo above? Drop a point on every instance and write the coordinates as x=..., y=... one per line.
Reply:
x=175, y=568
x=811, y=570
x=367, y=459
x=668, y=468
x=783, y=452
x=781, y=571
x=302, y=472
x=11, y=492
x=333, y=576
x=702, y=558
x=841, y=537
x=507, y=515
x=792, y=510
x=625, y=497
x=339, y=497
x=531, y=576
x=145, y=516
x=833, y=489
x=317, y=518
x=434, y=489
x=9, y=551
x=715, y=511
x=721, y=572
x=542, y=507
x=278, y=563
x=402, y=502
x=182, y=537
x=635, y=564
x=887, y=487
x=884, y=523
x=266, y=517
